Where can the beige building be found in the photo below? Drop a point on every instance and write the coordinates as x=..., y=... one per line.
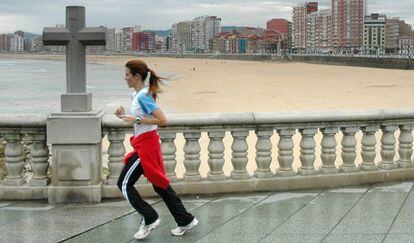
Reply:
x=374, y=34
x=299, y=24
x=319, y=31
x=181, y=36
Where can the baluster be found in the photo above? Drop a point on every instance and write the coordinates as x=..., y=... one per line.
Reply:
x=405, y=149
x=368, y=148
x=348, y=153
x=307, y=151
x=14, y=159
x=216, y=155
x=285, y=152
x=239, y=154
x=263, y=153
x=39, y=158
x=328, y=153
x=192, y=156
x=388, y=147
x=169, y=153
x=116, y=152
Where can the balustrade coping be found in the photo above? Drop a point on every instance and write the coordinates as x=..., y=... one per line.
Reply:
x=285, y=117
x=240, y=118
x=22, y=120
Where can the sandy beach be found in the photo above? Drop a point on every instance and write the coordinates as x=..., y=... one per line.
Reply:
x=246, y=86
x=215, y=85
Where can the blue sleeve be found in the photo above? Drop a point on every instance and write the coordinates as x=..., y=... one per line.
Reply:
x=147, y=103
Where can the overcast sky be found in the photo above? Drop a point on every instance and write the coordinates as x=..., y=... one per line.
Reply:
x=32, y=16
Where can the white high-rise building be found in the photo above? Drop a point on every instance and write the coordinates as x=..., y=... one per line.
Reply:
x=110, y=41
x=203, y=29
x=181, y=36
x=318, y=34
x=16, y=43
x=127, y=33
x=195, y=35
x=118, y=41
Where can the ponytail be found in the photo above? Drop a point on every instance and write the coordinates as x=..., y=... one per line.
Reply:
x=139, y=67
x=154, y=87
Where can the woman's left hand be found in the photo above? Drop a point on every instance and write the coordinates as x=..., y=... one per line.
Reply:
x=128, y=119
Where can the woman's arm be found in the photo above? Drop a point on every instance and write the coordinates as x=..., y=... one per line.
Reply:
x=158, y=119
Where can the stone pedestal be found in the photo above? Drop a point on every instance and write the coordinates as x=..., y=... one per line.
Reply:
x=76, y=102
x=76, y=139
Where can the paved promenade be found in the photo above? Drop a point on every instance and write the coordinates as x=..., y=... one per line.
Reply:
x=379, y=213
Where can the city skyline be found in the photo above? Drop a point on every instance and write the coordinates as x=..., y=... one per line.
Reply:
x=160, y=16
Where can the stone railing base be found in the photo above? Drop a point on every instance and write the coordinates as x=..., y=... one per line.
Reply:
x=273, y=184
x=228, y=185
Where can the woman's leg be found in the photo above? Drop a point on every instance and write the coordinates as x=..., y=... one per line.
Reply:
x=174, y=204
x=129, y=176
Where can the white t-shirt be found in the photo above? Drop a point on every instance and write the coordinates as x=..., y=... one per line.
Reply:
x=143, y=105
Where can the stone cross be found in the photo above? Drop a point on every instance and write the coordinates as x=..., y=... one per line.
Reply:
x=75, y=37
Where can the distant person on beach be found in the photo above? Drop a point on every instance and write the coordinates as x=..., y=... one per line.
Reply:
x=146, y=158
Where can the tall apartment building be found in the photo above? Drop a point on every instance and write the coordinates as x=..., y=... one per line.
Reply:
x=348, y=24
x=167, y=43
x=319, y=31
x=181, y=36
x=195, y=35
x=110, y=40
x=118, y=41
x=5, y=42
x=204, y=28
x=396, y=30
x=126, y=45
x=300, y=13
x=374, y=33
x=392, y=33
x=290, y=37
x=143, y=41
x=16, y=43
x=405, y=38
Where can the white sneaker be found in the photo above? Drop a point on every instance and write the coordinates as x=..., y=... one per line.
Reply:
x=145, y=230
x=181, y=230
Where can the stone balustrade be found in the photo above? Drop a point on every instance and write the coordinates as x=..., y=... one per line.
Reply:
x=339, y=165
x=13, y=130
x=383, y=153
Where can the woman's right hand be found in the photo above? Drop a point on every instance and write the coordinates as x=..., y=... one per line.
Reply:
x=120, y=112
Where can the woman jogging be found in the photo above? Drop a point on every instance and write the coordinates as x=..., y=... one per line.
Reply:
x=146, y=158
